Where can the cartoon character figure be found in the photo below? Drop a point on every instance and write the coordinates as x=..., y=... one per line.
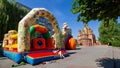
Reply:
x=66, y=31
x=69, y=41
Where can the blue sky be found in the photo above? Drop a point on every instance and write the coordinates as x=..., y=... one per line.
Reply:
x=61, y=10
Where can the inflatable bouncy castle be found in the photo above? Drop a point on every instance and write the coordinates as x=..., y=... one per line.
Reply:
x=23, y=45
x=69, y=41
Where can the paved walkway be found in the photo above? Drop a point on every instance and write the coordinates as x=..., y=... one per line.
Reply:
x=82, y=57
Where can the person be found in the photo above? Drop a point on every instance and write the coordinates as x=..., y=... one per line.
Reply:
x=59, y=52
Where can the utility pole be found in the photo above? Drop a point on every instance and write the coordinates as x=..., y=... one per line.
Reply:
x=114, y=59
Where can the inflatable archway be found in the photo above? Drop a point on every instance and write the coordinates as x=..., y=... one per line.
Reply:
x=30, y=19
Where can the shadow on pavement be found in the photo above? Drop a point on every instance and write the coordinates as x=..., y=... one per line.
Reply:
x=2, y=58
x=1, y=53
x=108, y=63
x=71, y=53
x=78, y=48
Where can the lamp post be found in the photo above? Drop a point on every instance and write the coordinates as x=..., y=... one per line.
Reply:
x=114, y=58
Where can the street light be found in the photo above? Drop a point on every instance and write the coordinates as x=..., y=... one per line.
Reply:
x=114, y=58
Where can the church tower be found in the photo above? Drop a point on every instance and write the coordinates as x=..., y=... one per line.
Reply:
x=86, y=36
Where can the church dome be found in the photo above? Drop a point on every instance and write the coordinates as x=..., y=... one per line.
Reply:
x=87, y=30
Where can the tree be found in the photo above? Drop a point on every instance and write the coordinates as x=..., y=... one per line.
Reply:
x=10, y=15
x=109, y=34
x=106, y=11
x=96, y=9
x=116, y=39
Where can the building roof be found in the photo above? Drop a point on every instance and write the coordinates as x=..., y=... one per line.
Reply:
x=21, y=5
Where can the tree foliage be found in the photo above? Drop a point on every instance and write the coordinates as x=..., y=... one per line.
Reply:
x=10, y=15
x=106, y=11
x=96, y=9
x=116, y=39
x=110, y=34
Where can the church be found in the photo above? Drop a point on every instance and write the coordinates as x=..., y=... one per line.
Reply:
x=86, y=36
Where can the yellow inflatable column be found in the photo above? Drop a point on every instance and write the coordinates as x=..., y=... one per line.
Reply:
x=5, y=41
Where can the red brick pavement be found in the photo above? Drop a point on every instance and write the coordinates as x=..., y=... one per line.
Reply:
x=78, y=66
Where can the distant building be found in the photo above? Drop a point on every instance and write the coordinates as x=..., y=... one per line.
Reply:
x=86, y=37
x=21, y=5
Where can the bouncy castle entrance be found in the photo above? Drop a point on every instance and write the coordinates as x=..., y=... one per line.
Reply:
x=40, y=38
